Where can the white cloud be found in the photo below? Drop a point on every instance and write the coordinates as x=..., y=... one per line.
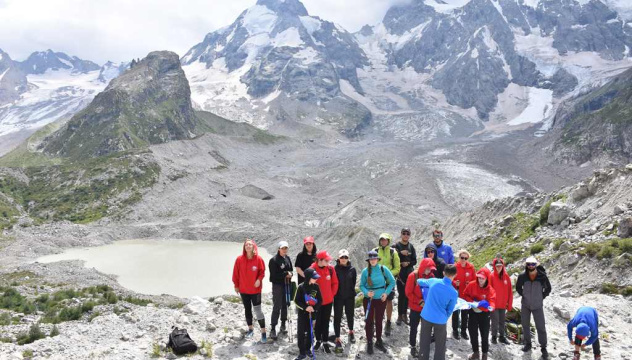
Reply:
x=119, y=30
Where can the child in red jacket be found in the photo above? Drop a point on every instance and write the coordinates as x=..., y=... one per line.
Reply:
x=416, y=299
x=482, y=292
x=328, y=283
x=248, y=273
x=501, y=282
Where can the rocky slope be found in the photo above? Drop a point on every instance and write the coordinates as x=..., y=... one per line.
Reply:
x=148, y=104
x=12, y=80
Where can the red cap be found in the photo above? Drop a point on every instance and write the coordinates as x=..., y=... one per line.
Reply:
x=323, y=255
x=309, y=239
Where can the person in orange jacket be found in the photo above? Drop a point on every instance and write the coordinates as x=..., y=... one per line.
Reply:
x=482, y=292
x=416, y=299
x=328, y=283
x=465, y=274
x=501, y=282
x=248, y=273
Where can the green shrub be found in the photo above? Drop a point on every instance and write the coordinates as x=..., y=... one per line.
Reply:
x=70, y=313
x=27, y=354
x=625, y=245
x=34, y=334
x=55, y=331
x=137, y=301
x=627, y=291
x=557, y=244
x=5, y=319
x=536, y=249
x=609, y=288
x=591, y=249
x=606, y=252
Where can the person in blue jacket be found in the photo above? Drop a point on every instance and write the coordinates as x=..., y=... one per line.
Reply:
x=440, y=303
x=585, y=322
x=376, y=282
x=444, y=251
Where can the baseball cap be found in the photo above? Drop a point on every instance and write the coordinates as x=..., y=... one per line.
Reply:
x=323, y=255
x=309, y=239
x=283, y=244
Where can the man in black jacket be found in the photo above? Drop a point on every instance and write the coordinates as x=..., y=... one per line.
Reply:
x=534, y=286
x=408, y=260
x=280, y=267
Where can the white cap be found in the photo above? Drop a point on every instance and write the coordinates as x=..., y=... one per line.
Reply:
x=342, y=253
x=283, y=244
x=532, y=260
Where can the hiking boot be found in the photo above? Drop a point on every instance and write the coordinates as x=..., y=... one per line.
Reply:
x=250, y=334
x=413, y=352
x=301, y=357
x=503, y=340
x=475, y=356
x=545, y=353
x=352, y=337
x=455, y=335
x=283, y=330
x=317, y=345
x=494, y=340
x=380, y=346
x=597, y=357
x=387, y=330
x=464, y=336
x=264, y=339
x=273, y=334
x=369, y=348
x=577, y=355
x=484, y=356
x=326, y=348
x=399, y=321
x=338, y=348
x=526, y=347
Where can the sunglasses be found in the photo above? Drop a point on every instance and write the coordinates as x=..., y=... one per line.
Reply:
x=405, y=233
x=437, y=236
x=430, y=251
x=344, y=257
x=531, y=264
x=464, y=258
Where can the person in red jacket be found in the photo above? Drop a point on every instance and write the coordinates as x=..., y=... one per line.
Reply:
x=328, y=283
x=482, y=292
x=465, y=274
x=501, y=282
x=248, y=273
x=416, y=299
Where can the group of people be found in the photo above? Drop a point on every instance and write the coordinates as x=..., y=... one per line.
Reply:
x=428, y=297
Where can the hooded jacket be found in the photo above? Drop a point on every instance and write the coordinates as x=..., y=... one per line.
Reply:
x=328, y=282
x=347, y=277
x=247, y=271
x=388, y=257
x=465, y=275
x=474, y=292
x=501, y=282
x=444, y=251
x=312, y=290
x=439, y=263
x=279, y=267
x=413, y=291
x=533, y=292
x=441, y=300
x=585, y=315
x=382, y=278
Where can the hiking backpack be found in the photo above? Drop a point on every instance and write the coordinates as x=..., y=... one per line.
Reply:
x=180, y=342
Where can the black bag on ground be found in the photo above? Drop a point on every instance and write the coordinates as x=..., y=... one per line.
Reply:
x=180, y=342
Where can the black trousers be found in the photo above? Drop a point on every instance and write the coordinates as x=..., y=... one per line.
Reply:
x=303, y=332
x=279, y=304
x=596, y=346
x=479, y=322
x=415, y=320
x=348, y=306
x=464, y=315
x=402, y=299
x=250, y=300
x=322, y=322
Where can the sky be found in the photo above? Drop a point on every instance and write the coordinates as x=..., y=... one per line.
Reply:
x=119, y=30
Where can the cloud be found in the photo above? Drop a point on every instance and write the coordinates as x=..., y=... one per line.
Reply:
x=120, y=30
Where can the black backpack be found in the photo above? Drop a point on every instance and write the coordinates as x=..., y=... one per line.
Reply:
x=180, y=342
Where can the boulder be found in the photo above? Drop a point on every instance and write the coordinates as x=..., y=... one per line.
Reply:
x=561, y=312
x=625, y=227
x=196, y=306
x=254, y=192
x=580, y=192
x=620, y=209
x=558, y=212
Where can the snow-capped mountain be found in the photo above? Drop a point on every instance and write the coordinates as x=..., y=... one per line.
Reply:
x=275, y=62
x=48, y=86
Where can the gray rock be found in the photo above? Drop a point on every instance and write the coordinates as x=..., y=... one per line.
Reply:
x=625, y=227
x=561, y=312
x=580, y=192
x=558, y=212
x=196, y=306
x=620, y=209
x=255, y=193
x=124, y=336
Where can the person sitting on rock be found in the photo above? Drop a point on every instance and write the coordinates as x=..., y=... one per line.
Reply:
x=308, y=301
x=501, y=282
x=585, y=323
x=483, y=293
x=534, y=286
x=248, y=273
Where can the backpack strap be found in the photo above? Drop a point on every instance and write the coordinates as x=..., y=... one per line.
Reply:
x=386, y=281
x=393, y=258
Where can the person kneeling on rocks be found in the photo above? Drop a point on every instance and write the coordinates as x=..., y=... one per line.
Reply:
x=248, y=273
x=585, y=323
x=308, y=301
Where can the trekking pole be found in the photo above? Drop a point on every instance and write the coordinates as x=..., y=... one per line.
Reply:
x=311, y=334
x=288, y=296
x=368, y=311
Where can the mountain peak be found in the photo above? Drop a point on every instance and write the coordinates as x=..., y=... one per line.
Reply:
x=294, y=7
x=41, y=61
